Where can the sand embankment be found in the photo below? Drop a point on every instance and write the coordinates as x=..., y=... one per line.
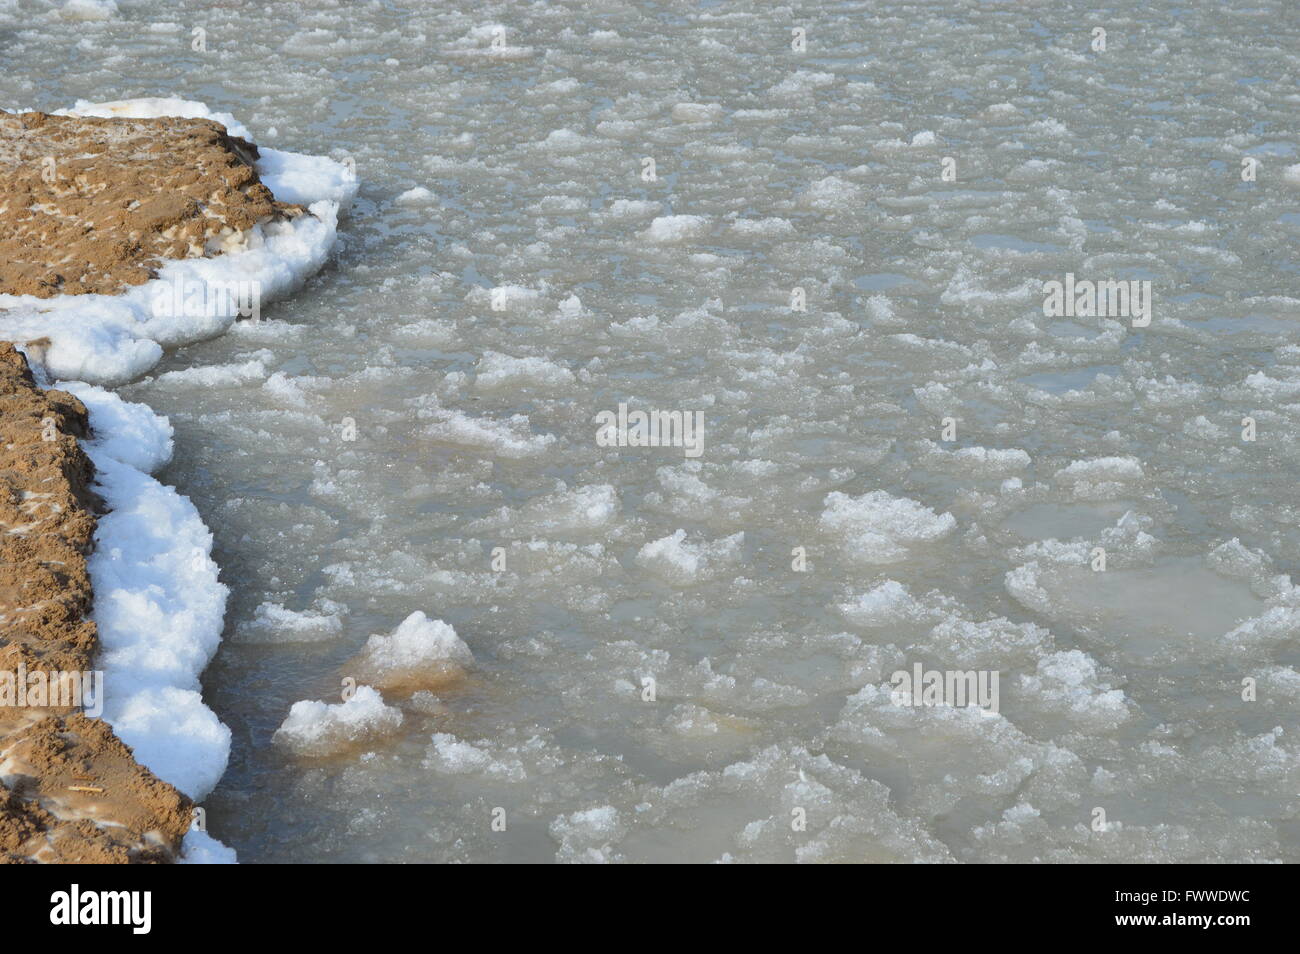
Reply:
x=70, y=790
x=87, y=206
x=95, y=205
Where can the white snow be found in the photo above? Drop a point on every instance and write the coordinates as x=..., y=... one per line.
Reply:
x=159, y=606
x=200, y=848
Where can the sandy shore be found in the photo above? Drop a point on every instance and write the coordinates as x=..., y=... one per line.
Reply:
x=95, y=205
x=70, y=790
x=87, y=206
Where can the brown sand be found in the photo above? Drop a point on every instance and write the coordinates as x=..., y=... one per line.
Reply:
x=94, y=205
x=70, y=790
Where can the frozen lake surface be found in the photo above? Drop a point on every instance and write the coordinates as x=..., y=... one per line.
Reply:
x=921, y=466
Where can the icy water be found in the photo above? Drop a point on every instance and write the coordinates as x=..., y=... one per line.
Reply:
x=952, y=461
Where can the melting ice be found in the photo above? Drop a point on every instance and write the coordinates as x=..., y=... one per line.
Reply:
x=666, y=657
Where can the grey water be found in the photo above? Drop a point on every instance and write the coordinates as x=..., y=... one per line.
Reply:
x=691, y=658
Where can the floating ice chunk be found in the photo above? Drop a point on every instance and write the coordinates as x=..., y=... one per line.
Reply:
x=1279, y=685
x=694, y=722
x=579, y=510
x=1025, y=584
x=271, y=622
x=587, y=836
x=1169, y=393
x=89, y=10
x=564, y=142
x=317, y=42
x=1033, y=170
x=508, y=438
x=632, y=209
x=671, y=229
x=1273, y=628
x=677, y=561
x=976, y=461
x=214, y=375
x=886, y=604
x=497, y=370
x=506, y=298
x=435, y=331
x=687, y=330
x=560, y=205
x=288, y=389
x=966, y=290
x=417, y=196
x=832, y=194
x=200, y=848
x=1285, y=388
x=315, y=728
x=687, y=496
x=801, y=83
x=881, y=311
x=996, y=643
x=1235, y=560
x=1102, y=478
x=1202, y=428
x=421, y=653
x=569, y=311
x=1068, y=684
x=770, y=227
x=849, y=817
x=1050, y=127
x=454, y=756
x=954, y=752
x=697, y=112
x=1109, y=468
x=486, y=42
x=878, y=527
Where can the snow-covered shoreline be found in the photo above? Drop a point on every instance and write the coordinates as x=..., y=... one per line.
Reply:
x=112, y=339
x=159, y=605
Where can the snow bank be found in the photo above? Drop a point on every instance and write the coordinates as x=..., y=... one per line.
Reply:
x=110, y=339
x=159, y=606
